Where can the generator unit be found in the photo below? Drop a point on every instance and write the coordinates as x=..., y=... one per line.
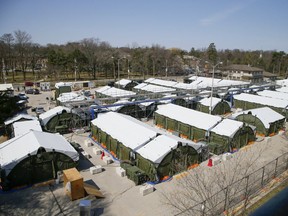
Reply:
x=135, y=174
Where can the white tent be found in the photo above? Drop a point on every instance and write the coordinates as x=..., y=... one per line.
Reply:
x=24, y=127
x=46, y=116
x=188, y=116
x=127, y=130
x=265, y=114
x=18, y=117
x=17, y=149
x=227, y=127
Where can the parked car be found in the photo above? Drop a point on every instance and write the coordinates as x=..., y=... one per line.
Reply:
x=32, y=91
x=22, y=96
x=39, y=110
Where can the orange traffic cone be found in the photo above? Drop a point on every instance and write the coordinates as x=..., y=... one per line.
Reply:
x=102, y=155
x=210, y=164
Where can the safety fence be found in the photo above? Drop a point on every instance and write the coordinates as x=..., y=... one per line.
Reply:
x=238, y=194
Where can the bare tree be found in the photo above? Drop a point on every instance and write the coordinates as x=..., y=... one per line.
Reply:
x=213, y=190
x=7, y=40
x=22, y=44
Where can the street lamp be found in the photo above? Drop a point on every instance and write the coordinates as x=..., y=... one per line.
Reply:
x=119, y=67
x=128, y=69
x=114, y=72
x=213, y=71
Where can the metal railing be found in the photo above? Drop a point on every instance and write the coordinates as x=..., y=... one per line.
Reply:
x=241, y=191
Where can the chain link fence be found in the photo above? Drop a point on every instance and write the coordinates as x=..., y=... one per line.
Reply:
x=241, y=191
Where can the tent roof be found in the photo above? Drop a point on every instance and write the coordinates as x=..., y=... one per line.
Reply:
x=262, y=100
x=161, y=82
x=227, y=127
x=273, y=94
x=16, y=149
x=24, y=127
x=123, y=82
x=188, y=116
x=118, y=125
x=18, y=117
x=115, y=92
x=46, y=116
x=70, y=96
x=265, y=114
x=154, y=88
x=159, y=147
x=207, y=101
x=282, y=89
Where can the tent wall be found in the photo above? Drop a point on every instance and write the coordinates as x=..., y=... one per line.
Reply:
x=147, y=166
x=132, y=110
x=34, y=169
x=245, y=105
x=186, y=131
x=63, y=123
x=219, y=109
x=112, y=145
x=180, y=102
x=242, y=137
x=253, y=120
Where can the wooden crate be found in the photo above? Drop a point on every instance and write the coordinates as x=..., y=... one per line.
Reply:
x=73, y=183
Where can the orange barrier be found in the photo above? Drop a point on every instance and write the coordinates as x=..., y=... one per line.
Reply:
x=193, y=166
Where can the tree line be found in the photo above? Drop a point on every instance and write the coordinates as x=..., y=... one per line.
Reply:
x=97, y=59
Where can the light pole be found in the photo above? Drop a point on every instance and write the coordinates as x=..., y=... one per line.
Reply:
x=119, y=67
x=114, y=72
x=166, y=70
x=128, y=69
x=212, y=86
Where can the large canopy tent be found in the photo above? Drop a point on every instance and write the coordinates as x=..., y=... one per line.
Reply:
x=229, y=135
x=219, y=106
x=60, y=119
x=113, y=93
x=188, y=123
x=18, y=118
x=266, y=120
x=249, y=101
x=35, y=157
x=128, y=146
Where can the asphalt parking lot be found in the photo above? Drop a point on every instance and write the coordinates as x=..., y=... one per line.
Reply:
x=122, y=197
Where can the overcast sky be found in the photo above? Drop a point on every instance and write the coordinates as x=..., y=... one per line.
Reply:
x=230, y=24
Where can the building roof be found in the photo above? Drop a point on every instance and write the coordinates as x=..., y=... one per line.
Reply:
x=16, y=149
x=127, y=130
x=227, y=127
x=274, y=94
x=46, y=116
x=188, y=116
x=268, y=74
x=262, y=100
x=265, y=114
x=24, y=127
x=18, y=117
x=237, y=67
x=5, y=87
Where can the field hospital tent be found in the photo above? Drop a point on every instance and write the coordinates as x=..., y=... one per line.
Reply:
x=219, y=106
x=229, y=135
x=250, y=101
x=131, y=140
x=185, y=122
x=59, y=119
x=35, y=157
x=266, y=120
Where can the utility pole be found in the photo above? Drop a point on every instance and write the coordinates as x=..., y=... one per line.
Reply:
x=3, y=71
x=75, y=68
